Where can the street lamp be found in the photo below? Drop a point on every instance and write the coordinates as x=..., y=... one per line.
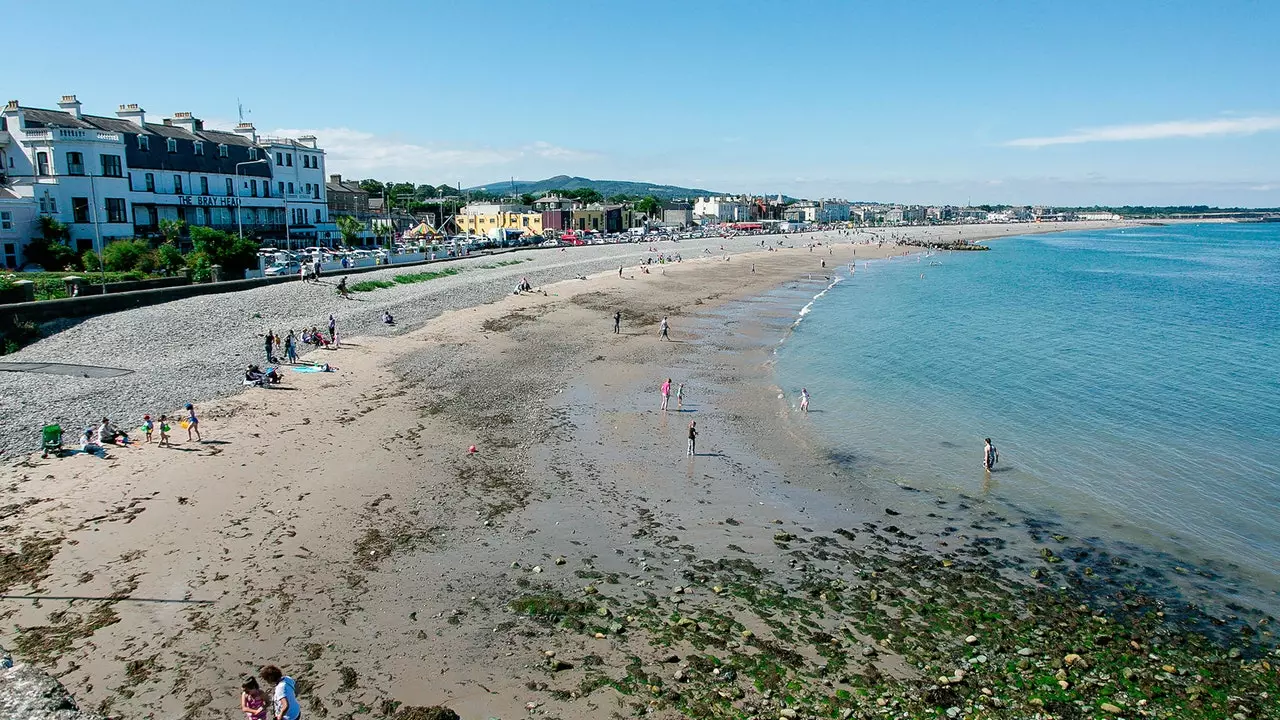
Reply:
x=97, y=232
x=239, y=224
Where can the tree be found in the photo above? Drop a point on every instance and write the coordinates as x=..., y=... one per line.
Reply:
x=233, y=253
x=171, y=230
x=170, y=258
x=425, y=192
x=125, y=255
x=373, y=187
x=527, y=199
x=50, y=251
x=650, y=206
x=447, y=191
x=350, y=229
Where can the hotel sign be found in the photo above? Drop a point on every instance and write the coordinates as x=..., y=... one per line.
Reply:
x=208, y=200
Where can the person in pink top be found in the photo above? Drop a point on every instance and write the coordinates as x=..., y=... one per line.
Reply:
x=666, y=393
x=252, y=701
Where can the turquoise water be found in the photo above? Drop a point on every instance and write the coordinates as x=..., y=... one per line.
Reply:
x=1130, y=379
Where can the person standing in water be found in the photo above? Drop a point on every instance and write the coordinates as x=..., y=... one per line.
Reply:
x=680, y=397
x=990, y=456
x=666, y=394
x=662, y=329
x=804, y=400
x=693, y=437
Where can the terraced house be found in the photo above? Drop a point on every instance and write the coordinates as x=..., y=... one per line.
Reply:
x=117, y=177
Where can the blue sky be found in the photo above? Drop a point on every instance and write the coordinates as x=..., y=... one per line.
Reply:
x=932, y=102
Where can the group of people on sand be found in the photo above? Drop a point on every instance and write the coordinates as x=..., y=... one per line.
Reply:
x=95, y=439
x=282, y=703
x=285, y=349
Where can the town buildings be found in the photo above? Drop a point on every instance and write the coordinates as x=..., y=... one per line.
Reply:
x=481, y=218
x=118, y=177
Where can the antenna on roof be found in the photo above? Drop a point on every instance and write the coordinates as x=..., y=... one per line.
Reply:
x=240, y=109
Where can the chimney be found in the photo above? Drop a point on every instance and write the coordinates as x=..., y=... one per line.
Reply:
x=335, y=179
x=308, y=140
x=247, y=129
x=13, y=110
x=70, y=104
x=133, y=114
x=186, y=121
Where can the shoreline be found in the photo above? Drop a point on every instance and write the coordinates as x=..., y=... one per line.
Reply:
x=342, y=531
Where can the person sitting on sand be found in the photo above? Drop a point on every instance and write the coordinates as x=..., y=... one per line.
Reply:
x=107, y=433
x=387, y=319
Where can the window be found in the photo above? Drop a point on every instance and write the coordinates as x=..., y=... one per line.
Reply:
x=253, y=185
x=80, y=210
x=150, y=180
x=281, y=187
x=222, y=150
x=288, y=160
x=280, y=159
x=231, y=187
x=290, y=188
x=115, y=210
x=317, y=214
x=308, y=188
x=253, y=153
x=111, y=166
x=44, y=204
x=144, y=143
x=75, y=163
x=177, y=184
x=6, y=220
x=266, y=188
x=42, y=163
x=53, y=206
x=315, y=191
x=198, y=147
x=204, y=185
x=172, y=145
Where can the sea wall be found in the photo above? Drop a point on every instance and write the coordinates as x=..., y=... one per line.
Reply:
x=31, y=694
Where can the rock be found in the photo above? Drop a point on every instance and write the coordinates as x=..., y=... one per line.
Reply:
x=590, y=590
x=1074, y=659
x=971, y=639
x=557, y=665
x=434, y=712
x=672, y=658
x=1113, y=709
x=561, y=560
x=1026, y=652
x=28, y=693
x=953, y=711
x=783, y=537
x=537, y=568
x=747, y=634
x=868, y=651
x=680, y=675
x=787, y=713
x=1233, y=653
x=717, y=589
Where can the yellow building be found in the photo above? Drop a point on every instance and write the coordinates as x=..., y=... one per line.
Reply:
x=480, y=218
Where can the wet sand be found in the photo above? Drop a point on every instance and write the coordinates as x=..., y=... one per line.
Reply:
x=339, y=528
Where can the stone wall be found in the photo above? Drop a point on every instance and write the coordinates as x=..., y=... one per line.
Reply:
x=31, y=694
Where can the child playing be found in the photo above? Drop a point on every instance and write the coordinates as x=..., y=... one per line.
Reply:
x=164, y=430
x=193, y=423
x=252, y=701
x=147, y=426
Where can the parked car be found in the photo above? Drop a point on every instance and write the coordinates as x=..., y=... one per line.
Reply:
x=285, y=268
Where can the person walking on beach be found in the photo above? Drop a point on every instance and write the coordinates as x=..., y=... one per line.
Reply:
x=253, y=702
x=617, y=322
x=693, y=437
x=990, y=456
x=804, y=400
x=284, y=698
x=666, y=394
x=333, y=323
x=193, y=423
x=269, y=345
x=619, y=271
x=291, y=348
x=164, y=431
x=663, y=327
x=680, y=397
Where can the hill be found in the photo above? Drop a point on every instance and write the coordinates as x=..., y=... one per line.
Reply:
x=604, y=187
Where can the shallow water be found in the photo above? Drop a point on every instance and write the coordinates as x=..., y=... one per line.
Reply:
x=1130, y=379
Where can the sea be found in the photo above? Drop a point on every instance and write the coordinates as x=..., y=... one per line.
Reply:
x=1130, y=379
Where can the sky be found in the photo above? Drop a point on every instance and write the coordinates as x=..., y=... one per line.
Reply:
x=1059, y=103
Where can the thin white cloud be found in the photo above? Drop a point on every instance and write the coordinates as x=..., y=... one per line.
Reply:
x=357, y=153
x=1157, y=131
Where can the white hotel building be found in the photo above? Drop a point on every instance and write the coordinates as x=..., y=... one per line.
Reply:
x=110, y=178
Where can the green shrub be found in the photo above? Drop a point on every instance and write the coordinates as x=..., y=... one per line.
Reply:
x=170, y=259
x=200, y=267
x=90, y=261
x=123, y=255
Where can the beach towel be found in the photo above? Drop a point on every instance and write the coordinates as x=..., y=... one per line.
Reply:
x=309, y=369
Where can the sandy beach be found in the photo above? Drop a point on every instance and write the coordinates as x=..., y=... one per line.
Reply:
x=578, y=565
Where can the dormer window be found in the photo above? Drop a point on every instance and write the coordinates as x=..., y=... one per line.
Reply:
x=144, y=143
x=253, y=153
x=222, y=150
x=172, y=145
x=199, y=147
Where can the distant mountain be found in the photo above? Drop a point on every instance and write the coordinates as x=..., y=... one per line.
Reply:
x=604, y=187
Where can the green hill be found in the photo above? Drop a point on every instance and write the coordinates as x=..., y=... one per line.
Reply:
x=604, y=187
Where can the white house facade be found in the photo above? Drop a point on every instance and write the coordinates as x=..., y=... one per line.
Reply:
x=110, y=178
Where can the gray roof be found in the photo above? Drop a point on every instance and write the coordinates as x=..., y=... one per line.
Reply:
x=37, y=118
